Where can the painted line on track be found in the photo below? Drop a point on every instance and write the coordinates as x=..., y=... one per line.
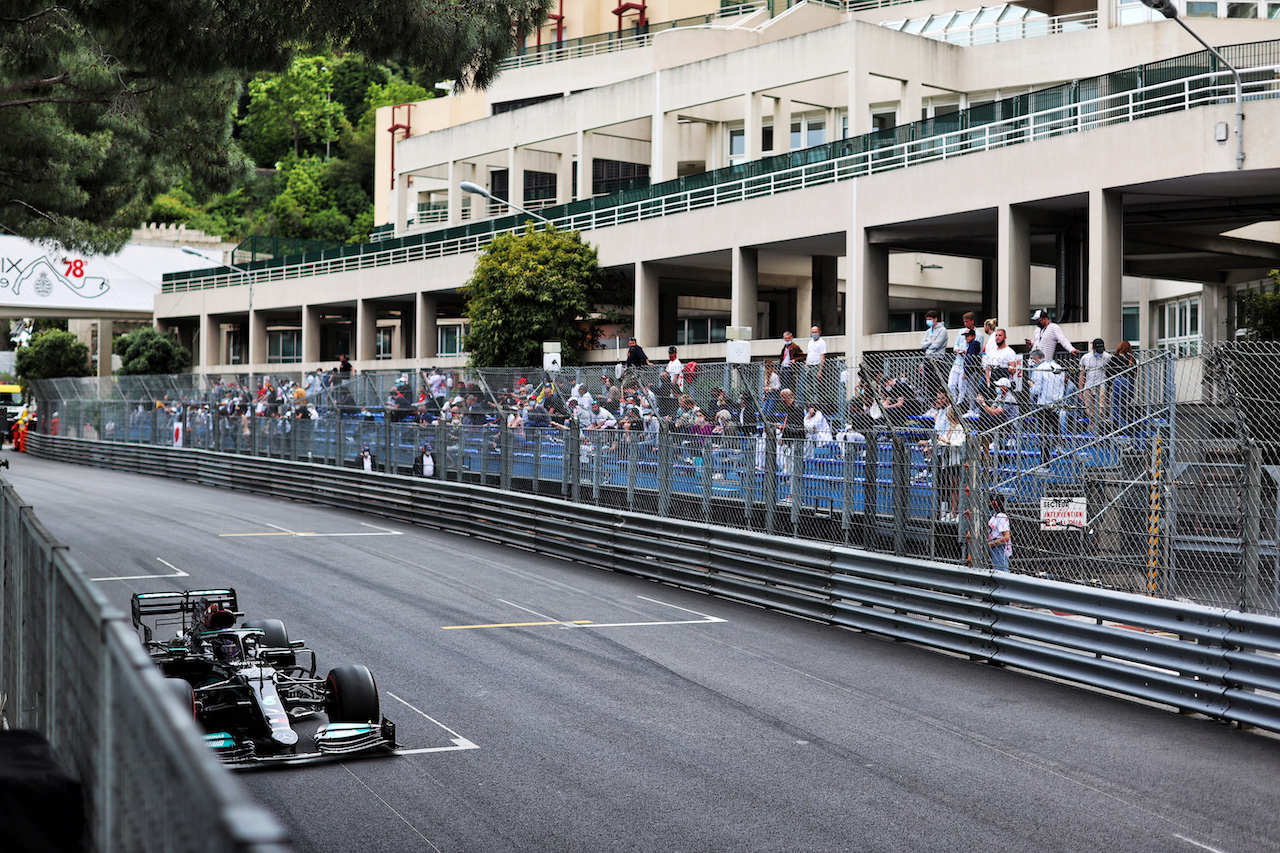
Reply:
x=703, y=619
x=459, y=742
x=283, y=531
x=1198, y=844
x=177, y=573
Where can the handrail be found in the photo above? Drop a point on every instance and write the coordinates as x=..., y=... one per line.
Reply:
x=838, y=161
x=999, y=31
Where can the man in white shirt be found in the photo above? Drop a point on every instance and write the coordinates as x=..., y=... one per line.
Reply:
x=1048, y=336
x=1093, y=378
x=955, y=380
x=600, y=417
x=1048, y=387
x=1004, y=362
x=814, y=360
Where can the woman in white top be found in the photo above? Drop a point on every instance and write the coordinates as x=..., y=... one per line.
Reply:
x=989, y=345
x=816, y=429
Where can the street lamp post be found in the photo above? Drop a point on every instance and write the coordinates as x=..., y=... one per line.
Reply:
x=1170, y=11
x=476, y=189
x=248, y=280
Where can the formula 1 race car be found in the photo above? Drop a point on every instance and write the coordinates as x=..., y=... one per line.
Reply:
x=247, y=683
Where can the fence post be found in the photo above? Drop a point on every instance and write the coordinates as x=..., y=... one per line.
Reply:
x=441, y=447
x=388, y=457
x=504, y=454
x=708, y=466
x=574, y=463
x=901, y=477
x=537, y=460
x=633, y=451
x=770, y=475
x=1251, y=592
x=664, y=472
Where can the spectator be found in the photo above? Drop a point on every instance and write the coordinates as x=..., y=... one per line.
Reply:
x=673, y=373
x=1120, y=371
x=816, y=429
x=956, y=383
x=635, y=355
x=365, y=460
x=1048, y=388
x=999, y=411
x=999, y=535
x=950, y=460
x=934, y=346
x=424, y=464
x=789, y=361
x=814, y=360
x=1048, y=336
x=1093, y=383
x=600, y=417
x=1003, y=362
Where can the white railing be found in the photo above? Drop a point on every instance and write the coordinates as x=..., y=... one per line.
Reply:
x=1013, y=30
x=1172, y=96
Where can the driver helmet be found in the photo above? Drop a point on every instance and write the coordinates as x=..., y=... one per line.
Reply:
x=225, y=648
x=216, y=618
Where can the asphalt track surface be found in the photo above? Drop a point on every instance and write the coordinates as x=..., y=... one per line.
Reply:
x=546, y=706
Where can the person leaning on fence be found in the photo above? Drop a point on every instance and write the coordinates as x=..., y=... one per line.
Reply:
x=934, y=347
x=957, y=383
x=635, y=355
x=789, y=361
x=1120, y=378
x=998, y=411
x=999, y=535
x=950, y=461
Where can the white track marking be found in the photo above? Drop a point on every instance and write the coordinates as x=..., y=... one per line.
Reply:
x=459, y=742
x=284, y=531
x=177, y=573
x=705, y=620
x=1198, y=844
x=392, y=809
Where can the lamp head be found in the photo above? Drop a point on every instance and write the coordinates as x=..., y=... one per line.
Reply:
x=1164, y=7
x=469, y=187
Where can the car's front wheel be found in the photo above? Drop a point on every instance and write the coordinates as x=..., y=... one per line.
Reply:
x=185, y=694
x=352, y=695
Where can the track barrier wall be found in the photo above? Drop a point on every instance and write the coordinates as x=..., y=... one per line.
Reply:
x=1219, y=662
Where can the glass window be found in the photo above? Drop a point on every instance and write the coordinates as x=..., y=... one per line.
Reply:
x=450, y=339
x=1179, y=326
x=1202, y=9
x=1242, y=10
x=1273, y=10
x=737, y=142
x=385, y=336
x=815, y=132
x=284, y=346
x=1129, y=325
x=718, y=327
x=797, y=135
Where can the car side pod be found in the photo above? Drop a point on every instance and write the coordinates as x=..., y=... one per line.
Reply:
x=342, y=738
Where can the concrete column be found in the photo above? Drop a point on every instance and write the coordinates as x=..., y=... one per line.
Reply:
x=210, y=350
x=257, y=338
x=366, y=346
x=859, y=103
x=826, y=289
x=515, y=178
x=586, y=142
x=1013, y=266
x=911, y=99
x=782, y=126
x=1106, y=256
x=426, y=336
x=454, y=203
x=104, y=354
x=401, y=203
x=310, y=334
x=753, y=110
x=804, y=307
x=647, y=308
x=746, y=274
x=867, y=303
x=564, y=178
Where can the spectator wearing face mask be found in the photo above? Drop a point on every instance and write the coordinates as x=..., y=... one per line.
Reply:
x=934, y=345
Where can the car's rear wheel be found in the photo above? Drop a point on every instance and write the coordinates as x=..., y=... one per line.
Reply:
x=274, y=636
x=185, y=694
x=353, y=695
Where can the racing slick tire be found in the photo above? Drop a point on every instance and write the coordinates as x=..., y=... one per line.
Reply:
x=186, y=694
x=353, y=695
x=274, y=636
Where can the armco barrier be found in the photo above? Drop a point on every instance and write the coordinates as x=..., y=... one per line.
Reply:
x=1222, y=663
x=74, y=670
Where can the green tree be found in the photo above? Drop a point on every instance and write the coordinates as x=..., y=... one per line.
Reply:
x=147, y=351
x=290, y=109
x=1259, y=311
x=541, y=285
x=52, y=354
x=107, y=103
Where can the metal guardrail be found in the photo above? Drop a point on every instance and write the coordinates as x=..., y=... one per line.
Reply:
x=74, y=670
x=765, y=178
x=1221, y=663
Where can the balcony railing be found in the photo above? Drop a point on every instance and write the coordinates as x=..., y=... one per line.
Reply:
x=594, y=45
x=1168, y=86
x=993, y=24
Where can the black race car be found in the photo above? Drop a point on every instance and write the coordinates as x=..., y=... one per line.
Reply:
x=247, y=683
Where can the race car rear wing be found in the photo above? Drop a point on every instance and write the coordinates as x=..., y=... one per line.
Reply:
x=155, y=604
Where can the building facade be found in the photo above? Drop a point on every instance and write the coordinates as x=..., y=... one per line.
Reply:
x=847, y=165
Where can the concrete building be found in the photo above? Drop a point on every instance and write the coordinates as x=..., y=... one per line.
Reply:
x=848, y=165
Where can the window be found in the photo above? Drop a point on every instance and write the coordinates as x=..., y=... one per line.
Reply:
x=808, y=132
x=1178, y=326
x=701, y=330
x=737, y=145
x=384, y=342
x=614, y=176
x=450, y=338
x=1129, y=327
x=284, y=346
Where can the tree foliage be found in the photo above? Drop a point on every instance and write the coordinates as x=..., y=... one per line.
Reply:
x=52, y=354
x=1259, y=311
x=290, y=109
x=541, y=285
x=106, y=103
x=147, y=351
